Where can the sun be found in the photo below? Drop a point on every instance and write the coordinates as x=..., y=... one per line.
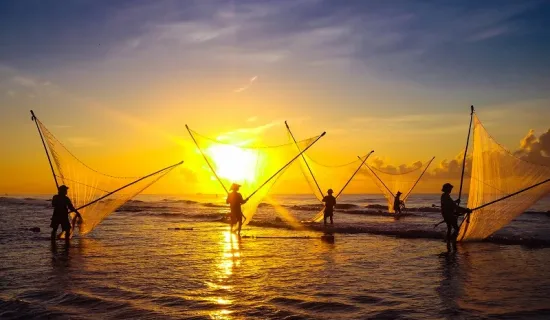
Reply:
x=233, y=163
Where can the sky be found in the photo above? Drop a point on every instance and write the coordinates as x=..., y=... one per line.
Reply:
x=116, y=81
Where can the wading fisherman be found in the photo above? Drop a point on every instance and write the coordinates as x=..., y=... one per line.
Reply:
x=450, y=210
x=330, y=203
x=397, y=203
x=62, y=206
x=235, y=200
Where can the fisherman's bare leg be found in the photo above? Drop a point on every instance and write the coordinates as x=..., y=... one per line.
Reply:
x=455, y=233
x=449, y=237
x=54, y=233
x=240, y=226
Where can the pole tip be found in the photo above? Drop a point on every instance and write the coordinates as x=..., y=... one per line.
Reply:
x=322, y=134
x=472, y=108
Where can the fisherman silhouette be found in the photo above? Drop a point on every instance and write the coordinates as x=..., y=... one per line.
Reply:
x=330, y=203
x=235, y=200
x=62, y=206
x=450, y=210
x=397, y=203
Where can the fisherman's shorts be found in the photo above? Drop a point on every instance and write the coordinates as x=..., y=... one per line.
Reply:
x=451, y=220
x=64, y=222
x=328, y=214
x=236, y=217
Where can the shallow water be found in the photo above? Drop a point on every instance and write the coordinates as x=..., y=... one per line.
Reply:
x=134, y=266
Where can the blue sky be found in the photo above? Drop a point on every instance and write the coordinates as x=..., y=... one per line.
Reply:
x=388, y=75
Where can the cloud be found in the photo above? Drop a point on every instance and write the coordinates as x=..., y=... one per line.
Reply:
x=10, y=93
x=250, y=82
x=380, y=164
x=452, y=169
x=188, y=175
x=252, y=119
x=249, y=135
x=535, y=149
x=489, y=33
x=25, y=81
x=83, y=142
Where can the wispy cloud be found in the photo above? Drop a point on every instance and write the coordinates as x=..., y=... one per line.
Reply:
x=250, y=82
x=25, y=81
x=490, y=33
x=83, y=142
x=251, y=135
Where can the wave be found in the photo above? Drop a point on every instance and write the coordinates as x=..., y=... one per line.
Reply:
x=317, y=207
x=14, y=308
x=25, y=201
x=319, y=306
x=180, y=201
x=391, y=230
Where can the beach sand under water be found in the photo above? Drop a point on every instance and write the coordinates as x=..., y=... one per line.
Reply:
x=136, y=265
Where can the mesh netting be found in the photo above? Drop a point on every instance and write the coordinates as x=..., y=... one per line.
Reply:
x=340, y=178
x=399, y=179
x=95, y=195
x=255, y=167
x=496, y=173
x=321, y=177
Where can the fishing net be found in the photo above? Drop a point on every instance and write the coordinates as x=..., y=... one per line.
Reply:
x=496, y=173
x=340, y=178
x=94, y=194
x=393, y=179
x=321, y=177
x=242, y=160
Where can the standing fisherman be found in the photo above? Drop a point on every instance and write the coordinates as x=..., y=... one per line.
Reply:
x=62, y=206
x=235, y=200
x=330, y=203
x=450, y=210
x=397, y=203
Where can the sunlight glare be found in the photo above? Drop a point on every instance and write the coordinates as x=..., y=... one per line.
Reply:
x=233, y=163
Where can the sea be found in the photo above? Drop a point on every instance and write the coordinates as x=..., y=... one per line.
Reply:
x=172, y=257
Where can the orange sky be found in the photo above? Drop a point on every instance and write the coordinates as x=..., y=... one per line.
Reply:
x=118, y=97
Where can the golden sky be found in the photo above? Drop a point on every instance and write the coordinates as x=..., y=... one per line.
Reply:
x=119, y=100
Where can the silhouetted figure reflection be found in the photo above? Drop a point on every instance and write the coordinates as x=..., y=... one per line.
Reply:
x=450, y=210
x=449, y=289
x=62, y=206
x=330, y=203
x=235, y=200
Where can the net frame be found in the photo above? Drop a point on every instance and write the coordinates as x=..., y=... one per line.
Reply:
x=491, y=203
x=267, y=184
x=390, y=194
x=91, y=200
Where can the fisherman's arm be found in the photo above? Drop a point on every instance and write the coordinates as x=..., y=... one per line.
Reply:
x=72, y=208
x=461, y=210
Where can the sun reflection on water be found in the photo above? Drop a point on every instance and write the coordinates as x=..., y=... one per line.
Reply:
x=230, y=259
x=231, y=254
